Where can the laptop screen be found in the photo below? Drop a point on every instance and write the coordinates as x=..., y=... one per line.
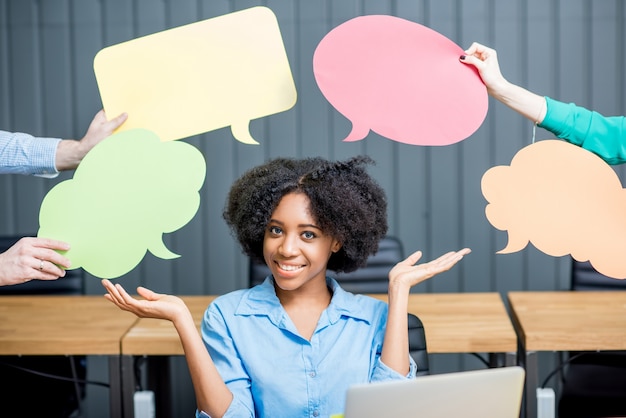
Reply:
x=484, y=393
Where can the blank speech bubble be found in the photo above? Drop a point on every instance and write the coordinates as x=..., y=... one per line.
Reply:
x=128, y=190
x=223, y=71
x=401, y=80
x=564, y=200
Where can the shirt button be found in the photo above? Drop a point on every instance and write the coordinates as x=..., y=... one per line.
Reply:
x=312, y=374
x=316, y=413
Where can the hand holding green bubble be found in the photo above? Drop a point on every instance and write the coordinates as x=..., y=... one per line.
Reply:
x=128, y=191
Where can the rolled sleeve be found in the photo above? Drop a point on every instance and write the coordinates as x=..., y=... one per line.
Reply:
x=602, y=135
x=235, y=410
x=382, y=372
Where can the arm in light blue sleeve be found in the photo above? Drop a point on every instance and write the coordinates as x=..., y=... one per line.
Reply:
x=22, y=153
x=602, y=135
x=224, y=354
x=381, y=371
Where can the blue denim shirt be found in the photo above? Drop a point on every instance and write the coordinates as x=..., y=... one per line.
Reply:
x=274, y=372
x=24, y=154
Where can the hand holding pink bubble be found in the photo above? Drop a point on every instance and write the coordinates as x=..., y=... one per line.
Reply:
x=401, y=80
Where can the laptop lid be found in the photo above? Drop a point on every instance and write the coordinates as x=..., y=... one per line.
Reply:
x=484, y=393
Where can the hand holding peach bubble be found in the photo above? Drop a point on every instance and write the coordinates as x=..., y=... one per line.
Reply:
x=129, y=190
x=192, y=79
x=401, y=80
x=564, y=200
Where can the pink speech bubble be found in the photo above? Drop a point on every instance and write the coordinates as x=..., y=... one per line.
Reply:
x=401, y=80
x=563, y=199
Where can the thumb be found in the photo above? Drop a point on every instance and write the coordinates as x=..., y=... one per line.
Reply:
x=472, y=60
x=147, y=293
x=117, y=121
x=412, y=259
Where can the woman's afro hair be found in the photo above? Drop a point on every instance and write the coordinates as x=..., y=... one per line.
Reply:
x=345, y=201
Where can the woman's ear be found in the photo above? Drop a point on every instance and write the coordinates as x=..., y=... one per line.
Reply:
x=336, y=246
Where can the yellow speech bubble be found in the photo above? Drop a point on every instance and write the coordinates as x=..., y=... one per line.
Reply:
x=223, y=71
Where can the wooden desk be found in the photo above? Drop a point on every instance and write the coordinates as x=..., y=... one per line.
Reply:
x=454, y=323
x=463, y=322
x=157, y=340
x=156, y=337
x=66, y=325
x=565, y=321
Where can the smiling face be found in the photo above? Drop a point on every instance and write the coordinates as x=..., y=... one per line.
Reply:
x=294, y=247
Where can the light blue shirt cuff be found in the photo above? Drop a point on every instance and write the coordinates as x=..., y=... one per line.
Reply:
x=382, y=372
x=22, y=153
x=235, y=410
x=44, y=159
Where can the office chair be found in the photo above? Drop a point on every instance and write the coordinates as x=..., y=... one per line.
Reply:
x=55, y=397
x=594, y=383
x=372, y=278
x=417, y=345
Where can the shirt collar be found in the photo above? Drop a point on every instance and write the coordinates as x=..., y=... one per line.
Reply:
x=262, y=300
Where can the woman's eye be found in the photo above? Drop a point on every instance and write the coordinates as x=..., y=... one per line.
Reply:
x=308, y=235
x=275, y=230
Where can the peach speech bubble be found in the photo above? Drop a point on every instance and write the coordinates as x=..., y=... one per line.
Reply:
x=401, y=80
x=563, y=199
x=199, y=77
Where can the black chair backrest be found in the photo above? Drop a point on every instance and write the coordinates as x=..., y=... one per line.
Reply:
x=71, y=284
x=372, y=278
x=585, y=277
x=593, y=382
x=417, y=345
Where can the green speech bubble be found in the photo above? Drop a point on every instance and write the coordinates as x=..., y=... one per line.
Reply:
x=129, y=190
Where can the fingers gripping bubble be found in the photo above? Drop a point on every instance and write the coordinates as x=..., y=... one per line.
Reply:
x=128, y=191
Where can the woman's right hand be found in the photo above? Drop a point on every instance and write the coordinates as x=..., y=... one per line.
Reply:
x=153, y=305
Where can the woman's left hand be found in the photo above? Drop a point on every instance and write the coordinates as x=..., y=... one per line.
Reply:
x=407, y=273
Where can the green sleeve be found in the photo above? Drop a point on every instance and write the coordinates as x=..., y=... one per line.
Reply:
x=604, y=136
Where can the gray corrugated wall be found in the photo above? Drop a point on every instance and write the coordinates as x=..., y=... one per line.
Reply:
x=572, y=50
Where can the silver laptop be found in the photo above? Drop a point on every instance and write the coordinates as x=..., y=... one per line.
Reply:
x=484, y=393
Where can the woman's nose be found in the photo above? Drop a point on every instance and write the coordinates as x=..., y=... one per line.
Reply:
x=288, y=246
